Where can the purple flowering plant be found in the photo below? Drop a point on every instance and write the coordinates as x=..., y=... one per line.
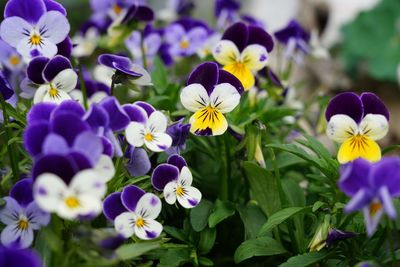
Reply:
x=141, y=135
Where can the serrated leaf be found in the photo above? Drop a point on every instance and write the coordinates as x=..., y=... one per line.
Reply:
x=131, y=251
x=261, y=246
x=305, y=259
x=199, y=215
x=221, y=211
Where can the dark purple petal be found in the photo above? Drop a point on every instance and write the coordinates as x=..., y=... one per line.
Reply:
x=112, y=206
x=35, y=69
x=22, y=192
x=347, y=104
x=274, y=79
x=178, y=132
x=126, y=70
x=34, y=136
x=354, y=176
x=81, y=161
x=135, y=113
x=230, y=5
x=138, y=13
x=372, y=104
x=90, y=145
x=69, y=106
x=53, y=5
x=238, y=33
x=65, y=48
x=55, y=144
x=5, y=87
x=163, y=174
x=146, y=106
x=336, y=235
x=12, y=257
x=177, y=161
x=68, y=125
x=108, y=148
x=257, y=35
x=55, y=66
x=118, y=117
x=130, y=196
x=205, y=74
x=40, y=112
x=109, y=60
x=386, y=173
x=226, y=77
x=97, y=117
x=31, y=10
x=292, y=30
x=139, y=163
x=61, y=165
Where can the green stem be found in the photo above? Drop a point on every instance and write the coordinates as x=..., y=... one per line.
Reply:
x=10, y=150
x=114, y=77
x=391, y=241
x=224, y=191
x=144, y=57
x=83, y=87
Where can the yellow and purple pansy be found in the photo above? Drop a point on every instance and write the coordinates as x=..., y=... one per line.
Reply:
x=244, y=50
x=357, y=122
x=210, y=92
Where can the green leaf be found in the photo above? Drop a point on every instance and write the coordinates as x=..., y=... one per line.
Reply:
x=264, y=187
x=221, y=211
x=317, y=205
x=253, y=218
x=18, y=116
x=159, y=76
x=175, y=232
x=305, y=259
x=199, y=215
x=205, y=261
x=261, y=246
x=281, y=216
x=131, y=251
x=174, y=257
x=207, y=240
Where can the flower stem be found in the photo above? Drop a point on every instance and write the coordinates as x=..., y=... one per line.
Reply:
x=144, y=57
x=83, y=87
x=10, y=150
x=391, y=241
x=114, y=77
x=224, y=190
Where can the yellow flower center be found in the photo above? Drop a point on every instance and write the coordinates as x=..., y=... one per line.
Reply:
x=53, y=92
x=184, y=44
x=180, y=191
x=14, y=60
x=72, y=202
x=148, y=137
x=374, y=208
x=117, y=9
x=242, y=72
x=359, y=146
x=35, y=39
x=23, y=224
x=208, y=119
x=139, y=222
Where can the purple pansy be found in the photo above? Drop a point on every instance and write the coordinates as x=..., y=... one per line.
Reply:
x=371, y=187
x=175, y=180
x=10, y=58
x=133, y=212
x=12, y=257
x=179, y=132
x=7, y=93
x=21, y=215
x=226, y=12
x=34, y=27
x=357, y=122
x=139, y=163
x=210, y=92
x=185, y=36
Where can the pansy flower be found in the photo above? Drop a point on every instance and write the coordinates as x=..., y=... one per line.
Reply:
x=179, y=132
x=10, y=58
x=133, y=212
x=148, y=127
x=243, y=51
x=21, y=215
x=226, y=12
x=175, y=180
x=86, y=40
x=15, y=257
x=7, y=93
x=210, y=92
x=357, y=122
x=33, y=27
x=79, y=199
x=371, y=187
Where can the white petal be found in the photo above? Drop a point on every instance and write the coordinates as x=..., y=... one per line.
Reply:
x=194, y=97
x=55, y=25
x=66, y=80
x=97, y=97
x=105, y=166
x=124, y=224
x=160, y=142
x=170, y=192
x=47, y=49
x=151, y=230
x=103, y=74
x=148, y=206
x=77, y=96
x=40, y=93
x=89, y=182
x=191, y=198
x=254, y=57
x=341, y=127
x=12, y=30
x=185, y=177
x=374, y=126
x=135, y=134
x=226, y=52
x=61, y=96
x=157, y=122
x=225, y=97
x=48, y=191
x=145, y=79
x=88, y=205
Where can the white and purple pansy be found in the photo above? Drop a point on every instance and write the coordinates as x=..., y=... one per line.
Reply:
x=243, y=51
x=21, y=215
x=81, y=198
x=34, y=27
x=210, y=93
x=133, y=212
x=148, y=127
x=175, y=180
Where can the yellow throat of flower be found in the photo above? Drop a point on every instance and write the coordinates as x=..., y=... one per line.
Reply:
x=117, y=9
x=242, y=72
x=139, y=222
x=180, y=191
x=72, y=202
x=23, y=224
x=148, y=137
x=35, y=39
x=14, y=60
x=374, y=208
x=184, y=44
x=359, y=146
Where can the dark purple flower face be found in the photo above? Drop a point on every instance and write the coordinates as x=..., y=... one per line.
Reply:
x=11, y=257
